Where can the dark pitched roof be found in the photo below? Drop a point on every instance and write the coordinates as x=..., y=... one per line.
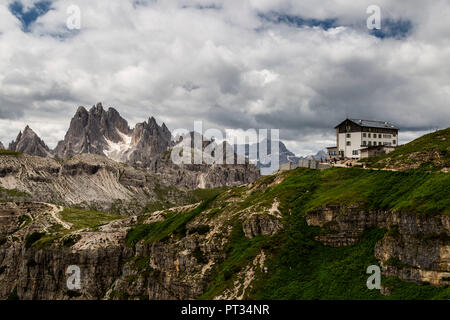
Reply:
x=371, y=124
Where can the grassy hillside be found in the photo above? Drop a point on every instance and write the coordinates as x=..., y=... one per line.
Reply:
x=9, y=153
x=299, y=267
x=430, y=152
x=302, y=268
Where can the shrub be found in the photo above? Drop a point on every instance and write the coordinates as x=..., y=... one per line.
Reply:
x=32, y=238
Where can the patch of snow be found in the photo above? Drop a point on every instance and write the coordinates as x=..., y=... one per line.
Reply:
x=116, y=150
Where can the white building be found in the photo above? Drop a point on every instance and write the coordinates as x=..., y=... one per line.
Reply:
x=353, y=135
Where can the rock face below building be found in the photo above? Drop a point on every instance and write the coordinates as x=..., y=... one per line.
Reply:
x=226, y=247
x=415, y=248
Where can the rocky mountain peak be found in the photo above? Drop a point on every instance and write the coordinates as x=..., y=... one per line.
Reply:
x=105, y=132
x=93, y=132
x=164, y=128
x=149, y=142
x=152, y=122
x=29, y=142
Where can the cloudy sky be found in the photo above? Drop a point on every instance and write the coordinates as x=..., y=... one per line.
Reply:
x=293, y=65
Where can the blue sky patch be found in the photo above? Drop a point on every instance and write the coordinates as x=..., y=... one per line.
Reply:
x=298, y=21
x=27, y=17
x=390, y=28
x=398, y=29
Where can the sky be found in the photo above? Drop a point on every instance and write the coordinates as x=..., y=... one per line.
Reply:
x=298, y=66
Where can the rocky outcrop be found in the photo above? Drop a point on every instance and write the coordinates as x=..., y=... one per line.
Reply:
x=415, y=247
x=262, y=222
x=150, y=141
x=93, y=131
x=82, y=180
x=94, y=180
x=29, y=142
x=117, y=261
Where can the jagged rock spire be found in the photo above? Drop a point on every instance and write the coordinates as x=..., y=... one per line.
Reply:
x=105, y=132
x=92, y=131
x=29, y=142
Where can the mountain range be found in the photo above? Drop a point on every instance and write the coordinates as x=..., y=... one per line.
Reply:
x=99, y=143
x=284, y=155
x=107, y=133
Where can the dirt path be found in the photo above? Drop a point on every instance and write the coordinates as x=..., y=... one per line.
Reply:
x=55, y=215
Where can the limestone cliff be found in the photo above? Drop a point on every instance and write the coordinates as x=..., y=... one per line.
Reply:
x=415, y=248
x=277, y=237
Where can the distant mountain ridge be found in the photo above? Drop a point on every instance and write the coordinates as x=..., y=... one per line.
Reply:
x=284, y=155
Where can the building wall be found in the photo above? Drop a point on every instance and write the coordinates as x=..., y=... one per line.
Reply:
x=357, y=139
x=374, y=152
x=354, y=138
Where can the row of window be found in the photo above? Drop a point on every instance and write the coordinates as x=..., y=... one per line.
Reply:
x=369, y=135
x=364, y=143
x=384, y=136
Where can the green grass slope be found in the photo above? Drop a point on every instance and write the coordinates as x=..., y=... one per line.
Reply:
x=300, y=267
x=430, y=152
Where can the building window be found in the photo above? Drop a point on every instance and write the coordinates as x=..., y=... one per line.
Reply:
x=393, y=141
x=364, y=143
x=364, y=135
x=370, y=143
x=379, y=143
x=386, y=136
x=348, y=135
x=348, y=128
x=379, y=136
x=370, y=135
x=349, y=143
x=374, y=143
x=355, y=152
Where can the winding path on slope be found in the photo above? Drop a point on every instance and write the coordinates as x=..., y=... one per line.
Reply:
x=55, y=215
